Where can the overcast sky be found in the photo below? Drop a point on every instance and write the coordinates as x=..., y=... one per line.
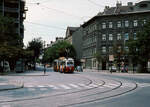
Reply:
x=49, y=19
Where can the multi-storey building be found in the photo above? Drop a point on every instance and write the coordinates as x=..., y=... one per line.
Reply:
x=77, y=42
x=58, y=39
x=115, y=25
x=69, y=32
x=15, y=9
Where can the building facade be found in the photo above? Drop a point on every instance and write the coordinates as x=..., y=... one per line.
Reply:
x=15, y=9
x=114, y=26
x=69, y=32
x=77, y=42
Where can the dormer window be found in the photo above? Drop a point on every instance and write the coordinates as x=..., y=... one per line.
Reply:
x=143, y=5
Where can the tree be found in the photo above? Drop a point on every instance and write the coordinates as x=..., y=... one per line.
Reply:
x=9, y=41
x=99, y=57
x=36, y=45
x=120, y=54
x=60, y=49
x=141, y=47
x=7, y=32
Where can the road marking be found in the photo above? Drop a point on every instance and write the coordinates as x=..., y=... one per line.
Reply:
x=6, y=106
x=93, y=85
x=75, y=86
x=3, y=83
x=52, y=86
x=128, y=85
x=143, y=84
x=108, y=86
x=64, y=86
x=41, y=86
x=29, y=86
x=83, y=85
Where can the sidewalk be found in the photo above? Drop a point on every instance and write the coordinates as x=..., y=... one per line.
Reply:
x=10, y=85
x=117, y=73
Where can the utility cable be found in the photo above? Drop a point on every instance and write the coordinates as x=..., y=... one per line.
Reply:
x=55, y=27
x=96, y=3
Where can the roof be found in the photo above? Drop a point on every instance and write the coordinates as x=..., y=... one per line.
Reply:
x=118, y=10
x=108, y=15
x=71, y=30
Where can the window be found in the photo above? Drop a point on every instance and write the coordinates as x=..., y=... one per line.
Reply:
x=126, y=23
x=135, y=23
x=126, y=36
x=119, y=48
x=143, y=5
x=127, y=48
x=118, y=36
x=103, y=25
x=104, y=49
x=110, y=48
x=143, y=22
x=134, y=36
x=94, y=63
x=104, y=37
x=110, y=25
x=119, y=24
x=110, y=37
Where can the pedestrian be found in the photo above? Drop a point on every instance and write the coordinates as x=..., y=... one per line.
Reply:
x=44, y=69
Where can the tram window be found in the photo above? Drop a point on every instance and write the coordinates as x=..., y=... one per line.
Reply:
x=69, y=63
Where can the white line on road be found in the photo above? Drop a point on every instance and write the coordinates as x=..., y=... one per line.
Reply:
x=41, y=86
x=93, y=85
x=108, y=86
x=52, y=86
x=64, y=86
x=75, y=86
x=6, y=106
x=29, y=86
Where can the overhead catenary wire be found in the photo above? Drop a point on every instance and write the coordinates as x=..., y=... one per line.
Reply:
x=48, y=26
x=60, y=11
x=96, y=3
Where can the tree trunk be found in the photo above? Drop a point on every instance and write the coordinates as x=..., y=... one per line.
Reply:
x=142, y=68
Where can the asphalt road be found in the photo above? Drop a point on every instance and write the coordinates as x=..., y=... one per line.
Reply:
x=80, y=89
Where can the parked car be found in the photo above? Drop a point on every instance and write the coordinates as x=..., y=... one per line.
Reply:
x=5, y=66
x=113, y=69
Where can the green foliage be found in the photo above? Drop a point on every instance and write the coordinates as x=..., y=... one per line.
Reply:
x=140, y=48
x=98, y=56
x=7, y=32
x=10, y=42
x=35, y=47
x=60, y=49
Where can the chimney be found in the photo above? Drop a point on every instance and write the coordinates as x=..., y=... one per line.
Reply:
x=119, y=4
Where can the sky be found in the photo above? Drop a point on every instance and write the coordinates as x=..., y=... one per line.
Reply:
x=49, y=19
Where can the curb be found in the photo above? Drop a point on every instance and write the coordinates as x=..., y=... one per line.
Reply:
x=17, y=84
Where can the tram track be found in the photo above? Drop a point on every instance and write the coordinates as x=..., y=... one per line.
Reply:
x=101, y=94
x=59, y=94
x=92, y=92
